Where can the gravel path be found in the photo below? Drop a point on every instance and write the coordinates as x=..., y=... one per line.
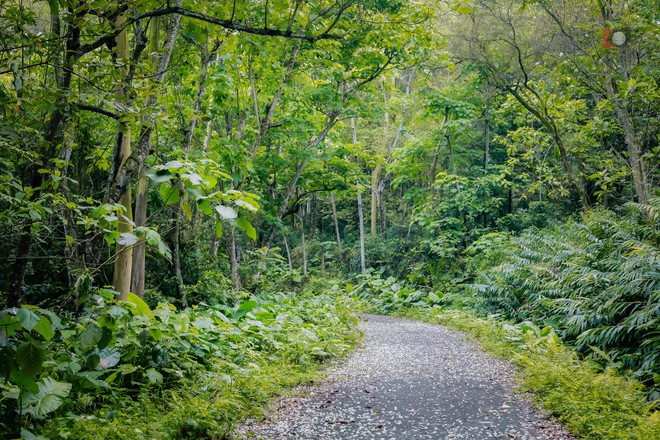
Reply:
x=410, y=380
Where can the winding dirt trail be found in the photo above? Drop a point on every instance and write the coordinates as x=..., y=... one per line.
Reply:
x=410, y=380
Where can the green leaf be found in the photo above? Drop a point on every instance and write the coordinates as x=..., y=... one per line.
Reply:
x=154, y=376
x=8, y=322
x=108, y=358
x=24, y=381
x=27, y=318
x=205, y=207
x=247, y=228
x=90, y=337
x=169, y=193
x=218, y=229
x=185, y=207
x=30, y=356
x=27, y=435
x=48, y=399
x=141, y=307
x=126, y=239
x=44, y=328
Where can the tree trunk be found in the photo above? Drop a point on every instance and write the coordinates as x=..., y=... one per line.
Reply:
x=303, y=245
x=486, y=139
x=288, y=251
x=375, y=182
x=230, y=238
x=381, y=206
x=140, y=251
x=335, y=218
x=312, y=216
x=363, y=263
x=632, y=142
x=141, y=202
x=124, y=253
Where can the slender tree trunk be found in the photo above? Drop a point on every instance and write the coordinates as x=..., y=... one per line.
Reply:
x=363, y=262
x=288, y=251
x=354, y=130
x=486, y=139
x=124, y=253
x=230, y=238
x=375, y=182
x=451, y=155
x=381, y=207
x=303, y=244
x=335, y=218
x=140, y=214
x=632, y=141
x=312, y=216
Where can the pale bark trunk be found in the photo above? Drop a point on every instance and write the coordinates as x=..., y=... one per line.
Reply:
x=631, y=138
x=486, y=139
x=230, y=238
x=303, y=244
x=375, y=183
x=381, y=207
x=288, y=251
x=335, y=218
x=124, y=254
x=363, y=263
x=141, y=202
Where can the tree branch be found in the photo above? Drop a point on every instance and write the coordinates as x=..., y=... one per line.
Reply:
x=94, y=109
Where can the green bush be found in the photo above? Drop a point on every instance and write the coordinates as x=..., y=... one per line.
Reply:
x=115, y=370
x=596, y=282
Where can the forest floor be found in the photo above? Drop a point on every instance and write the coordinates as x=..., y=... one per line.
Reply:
x=409, y=380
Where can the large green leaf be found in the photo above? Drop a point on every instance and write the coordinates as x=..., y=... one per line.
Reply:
x=44, y=328
x=27, y=435
x=108, y=358
x=30, y=356
x=141, y=307
x=247, y=228
x=169, y=193
x=48, y=399
x=27, y=318
x=154, y=376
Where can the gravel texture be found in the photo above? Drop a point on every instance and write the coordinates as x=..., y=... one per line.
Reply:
x=409, y=380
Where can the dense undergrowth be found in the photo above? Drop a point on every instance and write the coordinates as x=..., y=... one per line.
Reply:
x=594, y=402
x=596, y=282
x=123, y=370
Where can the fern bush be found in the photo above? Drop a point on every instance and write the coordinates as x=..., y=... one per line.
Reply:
x=595, y=281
